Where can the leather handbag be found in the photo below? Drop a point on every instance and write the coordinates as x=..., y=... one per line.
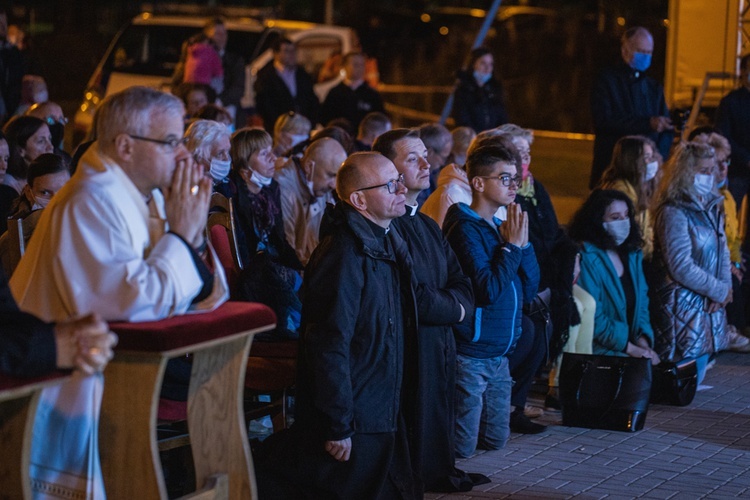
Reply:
x=538, y=311
x=674, y=383
x=604, y=392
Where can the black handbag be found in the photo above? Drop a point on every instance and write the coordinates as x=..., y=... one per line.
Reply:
x=675, y=383
x=538, y=311
x=604, y=392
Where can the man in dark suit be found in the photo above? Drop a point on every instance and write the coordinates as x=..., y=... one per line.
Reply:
x=283, y=86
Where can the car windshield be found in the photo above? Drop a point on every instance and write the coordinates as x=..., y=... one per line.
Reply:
x=155, y=50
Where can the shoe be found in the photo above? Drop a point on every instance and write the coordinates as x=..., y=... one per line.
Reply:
x=521, y=424
x=737, y=342
x=532, y=411
x=551, y=403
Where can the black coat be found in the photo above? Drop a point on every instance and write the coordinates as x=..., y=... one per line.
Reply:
x=623, y=101
x=480, y=108
x=272, y=96
x=354, y=324
x=429, y=408
x=733, y=120
x=353, y=105
x=27, y=344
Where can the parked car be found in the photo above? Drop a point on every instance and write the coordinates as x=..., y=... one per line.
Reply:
x=147, y=50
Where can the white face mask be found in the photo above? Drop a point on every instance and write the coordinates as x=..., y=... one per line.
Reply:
x=260, y=180
x=619, y=230
x=219, y=169
x=651, y=169
x=703, y=184
x=296, y=139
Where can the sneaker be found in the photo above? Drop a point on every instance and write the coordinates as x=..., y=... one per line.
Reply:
x=533, y=411
x=523, y=425
x=737, y=342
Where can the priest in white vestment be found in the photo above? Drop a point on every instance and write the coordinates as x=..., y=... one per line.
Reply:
x=124, y=238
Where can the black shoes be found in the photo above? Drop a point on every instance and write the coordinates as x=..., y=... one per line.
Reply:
x=522, y=424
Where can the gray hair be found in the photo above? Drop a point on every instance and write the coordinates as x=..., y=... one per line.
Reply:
x=130, y=111
x=202, y=134
x=514, y=130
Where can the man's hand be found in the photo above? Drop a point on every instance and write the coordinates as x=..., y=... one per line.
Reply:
x=340, y=450
x=187, y=201
x=84, y=343
x=660, y=123
x=512, y=230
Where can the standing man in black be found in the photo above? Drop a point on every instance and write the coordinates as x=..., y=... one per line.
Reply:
x=444, y=298
x=624, y=101
x=353, y=98
x=283, y=86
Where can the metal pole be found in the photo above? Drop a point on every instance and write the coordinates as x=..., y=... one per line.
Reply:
x=478, y=41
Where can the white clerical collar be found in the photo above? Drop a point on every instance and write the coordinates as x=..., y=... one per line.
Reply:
x=413, y=210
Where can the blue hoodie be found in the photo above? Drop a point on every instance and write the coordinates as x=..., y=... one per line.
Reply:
x=504, y=277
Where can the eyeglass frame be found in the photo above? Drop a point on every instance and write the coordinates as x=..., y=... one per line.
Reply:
x=172, y=143
x=393, y=182
x=517, y=180
x=51, y=120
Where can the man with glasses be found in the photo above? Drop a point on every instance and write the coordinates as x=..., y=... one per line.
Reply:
x=348, y=439
x=500, y=262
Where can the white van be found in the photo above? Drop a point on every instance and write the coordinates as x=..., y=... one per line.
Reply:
x=147, y=50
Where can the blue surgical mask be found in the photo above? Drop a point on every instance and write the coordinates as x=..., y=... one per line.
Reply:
x=641, y=61
x=619, y=230
x=482, y=78
x=230, y=128
x=219, y=169
x=652, y=168
x=298, y=138
x=260, y=180
x=721, y=184
x=703, y=183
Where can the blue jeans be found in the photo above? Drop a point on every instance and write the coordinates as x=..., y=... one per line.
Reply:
x=483, y=389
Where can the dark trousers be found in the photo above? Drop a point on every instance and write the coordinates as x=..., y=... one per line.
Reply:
x=525, y=361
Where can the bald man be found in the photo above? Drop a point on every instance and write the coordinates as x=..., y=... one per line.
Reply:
x=624, y=101
x=348, y=437
x=307, y=185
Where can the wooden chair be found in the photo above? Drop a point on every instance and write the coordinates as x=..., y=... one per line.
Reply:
x=272, y=365
x=220, y=341
x=18, y=403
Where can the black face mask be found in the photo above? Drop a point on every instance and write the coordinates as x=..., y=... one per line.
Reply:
x=57, y=131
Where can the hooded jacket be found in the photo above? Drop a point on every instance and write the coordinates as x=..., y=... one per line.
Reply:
x=504, y=278
x=452, y=187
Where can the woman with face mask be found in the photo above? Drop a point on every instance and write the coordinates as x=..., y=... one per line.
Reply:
x=612, y=273
x=479, y=101
x=208, y=140
x=634, y=170
x=691, y=268
x=289, y=130
x=271, y=273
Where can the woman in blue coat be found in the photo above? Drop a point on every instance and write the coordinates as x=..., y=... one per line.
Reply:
x=612, y=272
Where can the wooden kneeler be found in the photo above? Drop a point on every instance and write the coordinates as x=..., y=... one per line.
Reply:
x=219, y=341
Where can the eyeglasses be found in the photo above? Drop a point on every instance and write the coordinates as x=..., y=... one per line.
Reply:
x=172, y=143
x=391, y=185
x=505, y=179
x=726, y=162
x=51, y=120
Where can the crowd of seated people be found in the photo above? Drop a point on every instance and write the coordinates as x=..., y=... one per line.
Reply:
x=650, y=265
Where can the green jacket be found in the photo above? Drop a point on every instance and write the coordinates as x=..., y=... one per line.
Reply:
x=599, y=278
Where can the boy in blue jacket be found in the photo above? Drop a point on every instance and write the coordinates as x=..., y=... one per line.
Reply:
x=501, y=264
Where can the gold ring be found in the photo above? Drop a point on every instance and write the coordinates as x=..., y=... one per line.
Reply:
x=194, y=190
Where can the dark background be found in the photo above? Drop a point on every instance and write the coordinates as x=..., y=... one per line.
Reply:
x=546, y=57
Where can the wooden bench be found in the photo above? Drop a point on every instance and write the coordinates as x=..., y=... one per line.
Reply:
x=18, y=403
x=219, y=342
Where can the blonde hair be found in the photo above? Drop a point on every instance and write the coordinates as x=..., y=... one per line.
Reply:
x=245, y=142
x=716, y=141
x=680, y=170
x=514, y=130
x=292, y=123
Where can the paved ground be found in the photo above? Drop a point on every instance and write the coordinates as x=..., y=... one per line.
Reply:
x=700, y=451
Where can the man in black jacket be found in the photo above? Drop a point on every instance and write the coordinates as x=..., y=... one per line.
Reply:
x=283, y=86
x=353, y=98
x=624, y=101
x=348, y=439
x=444, y=297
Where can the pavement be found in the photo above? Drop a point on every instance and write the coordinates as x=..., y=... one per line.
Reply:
x=698, y=451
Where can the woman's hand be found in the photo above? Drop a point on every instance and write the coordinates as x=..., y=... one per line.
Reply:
x=636, y=351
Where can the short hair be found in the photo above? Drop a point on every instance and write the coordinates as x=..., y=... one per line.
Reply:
x=493, y=138
x=46, y=164
x=476, y=54
x=245, y=142
x=130, y=112
x=338, y=134
x=481, y=161
x=385, y=144
x=514, y=130
x=373, y=123
x=434, y=135
x=716, y=141
x=351, y=54
x=679, y=172
x=202, y=134
x=282, y=40
x=292, y=122
x=587, y=223
x=350, y=173
x=184, y=89
x=214, y=112
x=462, y=137
x=17, y=132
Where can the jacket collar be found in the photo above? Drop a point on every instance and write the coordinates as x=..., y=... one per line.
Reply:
x=372, y=245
